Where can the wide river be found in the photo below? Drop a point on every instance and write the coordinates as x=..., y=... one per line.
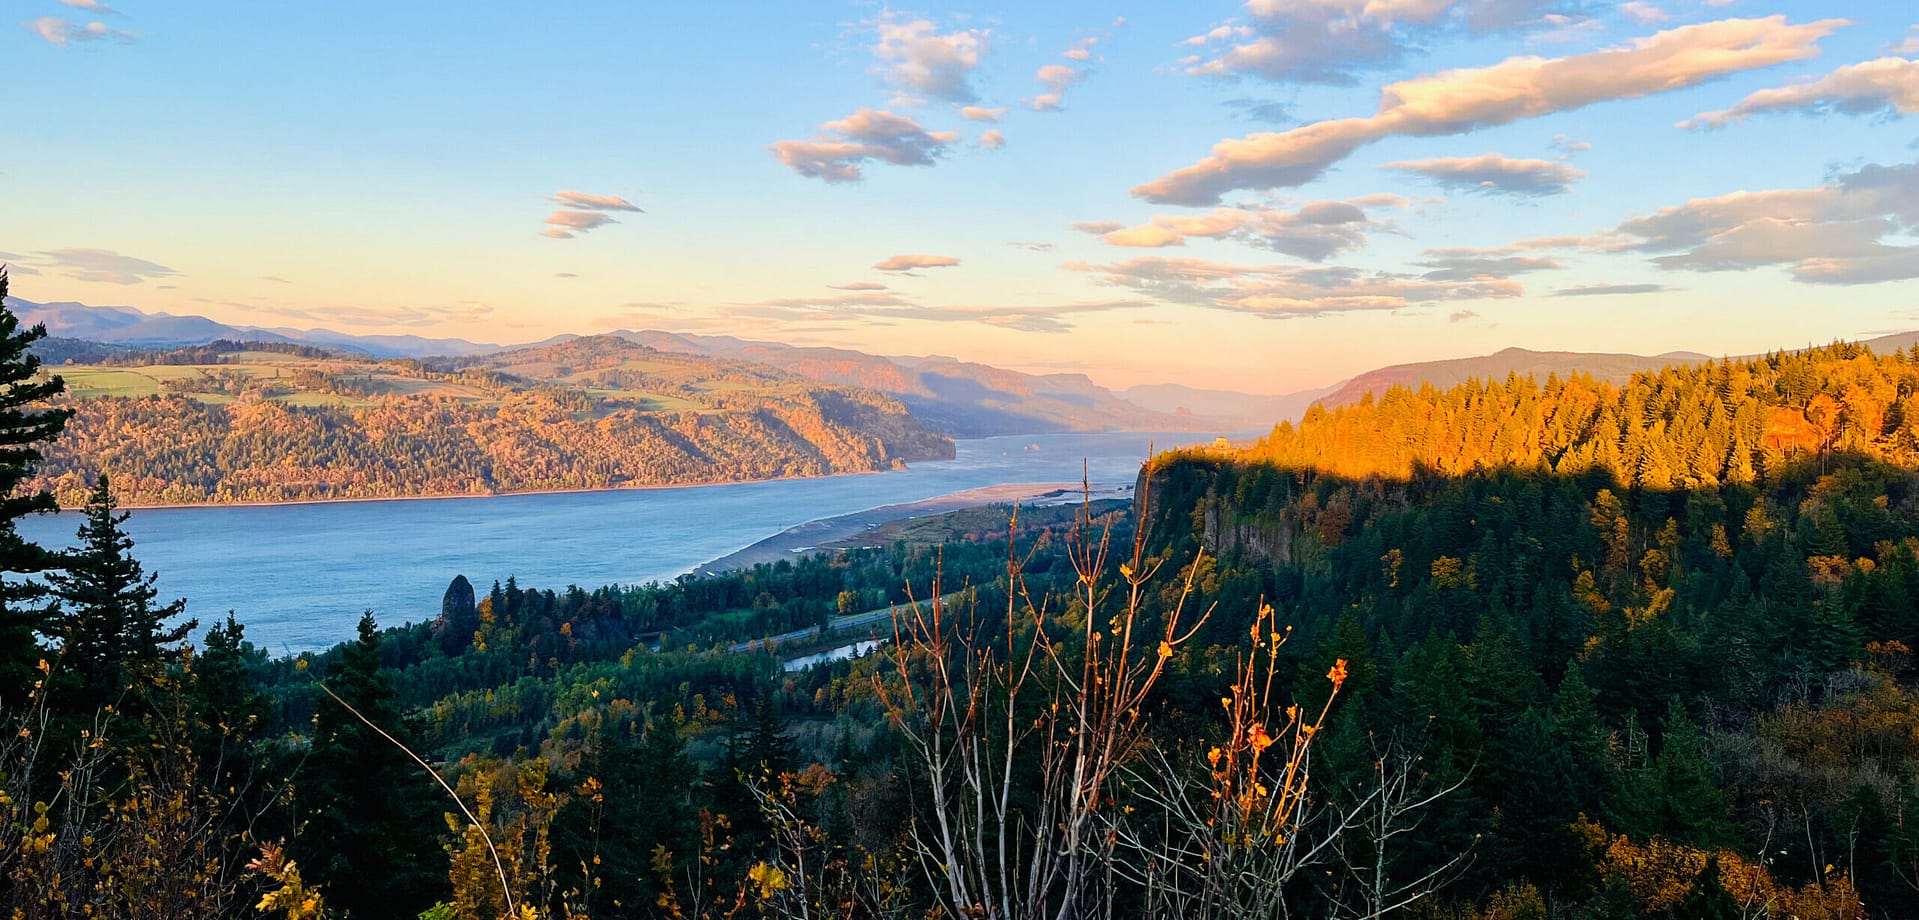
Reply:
x=299, y=575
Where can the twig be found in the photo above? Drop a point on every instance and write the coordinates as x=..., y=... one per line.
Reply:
x=506, y=889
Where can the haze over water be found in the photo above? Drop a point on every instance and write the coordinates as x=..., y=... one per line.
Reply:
x=298, y=576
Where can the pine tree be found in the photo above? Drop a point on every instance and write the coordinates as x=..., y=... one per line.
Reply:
x=1691, y=804
x=25, y=424
x=229, y=707
x=1708, y=898
x=641, y=798
x=110, y=630
x=367, y=814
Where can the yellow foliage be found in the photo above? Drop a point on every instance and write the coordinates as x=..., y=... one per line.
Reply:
x=1660, y=872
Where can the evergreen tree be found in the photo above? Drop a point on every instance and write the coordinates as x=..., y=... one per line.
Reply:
x=110, y=630
x=756, y=755
x=367, y=818
x=230, y=710
x=25, y=425
x=1708, y=898
x=1689, y=801
x=641, y=798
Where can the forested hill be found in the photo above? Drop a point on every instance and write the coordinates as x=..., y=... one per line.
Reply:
x=1685, y=425
x=231, y=422
x=1656, y=638
x=961, y=398
x=1611, y=368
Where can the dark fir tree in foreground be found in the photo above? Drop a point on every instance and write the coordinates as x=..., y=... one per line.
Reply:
x=369, y=822
x=25, y=424
x=110, y=628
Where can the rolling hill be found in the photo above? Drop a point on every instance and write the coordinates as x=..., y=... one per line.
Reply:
x=265, y=422
x=962, y=398
x=957, y=398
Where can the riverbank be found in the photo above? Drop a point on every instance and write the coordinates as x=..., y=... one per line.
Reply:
x=300, y=575
x=859, y=528
x=453, y=496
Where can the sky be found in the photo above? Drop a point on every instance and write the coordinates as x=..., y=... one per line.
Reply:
x=1265, y=197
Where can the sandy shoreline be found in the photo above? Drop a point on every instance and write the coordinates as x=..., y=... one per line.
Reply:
x=833, y=533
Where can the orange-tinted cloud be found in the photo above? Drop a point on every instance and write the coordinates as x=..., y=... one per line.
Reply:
x=1888, y=84
x=836, y=154
x=1458, y=101
x=907, y=263
x=1494, y=172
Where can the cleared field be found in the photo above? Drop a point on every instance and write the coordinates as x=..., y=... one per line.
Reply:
x=89, y=382
x=617, y=376
x=648, y=402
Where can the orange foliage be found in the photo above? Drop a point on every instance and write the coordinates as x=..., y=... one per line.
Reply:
x=1660, y=873
x=1787, y=429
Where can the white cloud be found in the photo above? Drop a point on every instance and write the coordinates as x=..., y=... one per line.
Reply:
x=1567, y=145
x=919, y=59
x=1643, y=13
x=1056, y=78
x=1281, y=292
x=993, y=139
x=1332, y=41
x=1482, y=268
x=909, y=262
x=62, y=33
x=1043, y=318
x=1609, y=290
x=836, y=154
x=1888, y=84
x=980, y=113
x=1315, y=232
x=1458, y=101
x=1565, y=30
x=1493, y=172
x=103, y=266
x=565, y=225
x=1833, y=234
x=588, y=202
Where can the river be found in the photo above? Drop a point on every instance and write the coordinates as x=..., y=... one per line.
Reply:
x=299, y=575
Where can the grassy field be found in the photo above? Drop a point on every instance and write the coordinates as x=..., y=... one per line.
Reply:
x=274, y=374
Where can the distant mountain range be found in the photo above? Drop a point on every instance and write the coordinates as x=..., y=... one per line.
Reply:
x=955, y=397
x=138, y=329
x=1246, y=410
x=958, y=398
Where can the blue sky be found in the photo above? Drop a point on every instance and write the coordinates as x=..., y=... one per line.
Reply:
x=1262, y=196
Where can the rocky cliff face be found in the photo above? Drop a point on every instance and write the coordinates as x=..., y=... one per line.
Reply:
x=1225, y=533
x=1208, y=501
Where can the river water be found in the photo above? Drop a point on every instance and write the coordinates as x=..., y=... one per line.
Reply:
x=299, y=575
